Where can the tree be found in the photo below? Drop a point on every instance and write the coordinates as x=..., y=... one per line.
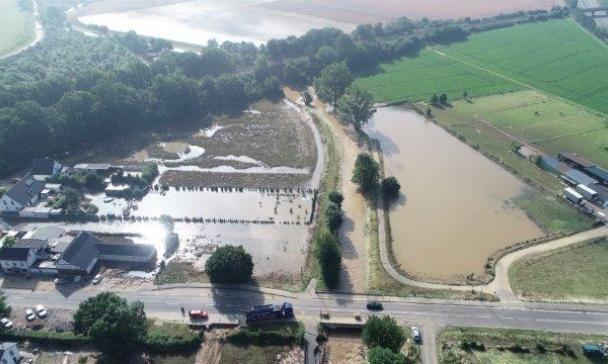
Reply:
x=391, y=187
x=356, y=106
x=332, y=82
x=434, y=99
x=115, y=326
x=328, y=254
x=379, y=355
x=229, y=264
x=366, y=172
x=333, y=216
x=307, y=98
x=443, y=99
x=383, y=332
x=336, y=197
x=5, y=309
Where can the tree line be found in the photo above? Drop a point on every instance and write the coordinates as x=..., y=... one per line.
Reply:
x=73, y=90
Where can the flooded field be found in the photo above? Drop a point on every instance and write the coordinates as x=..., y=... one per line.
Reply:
x=249, y=205
x=276, y=249
x=257, y=21
x=456, y=207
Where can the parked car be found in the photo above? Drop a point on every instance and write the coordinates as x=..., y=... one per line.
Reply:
x=198, y=314
x=29, y=314
x=6, y=323
x=375, y=306
x=416, y=335
x=97, y=279
x=41, y=311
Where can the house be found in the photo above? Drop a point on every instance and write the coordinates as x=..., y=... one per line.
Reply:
x=598, y=173
x=575, y=160
x=43, y=168
x=9, y=353
x=127, y=253
x=22, y=255
x=80, y=257
x=25, y=193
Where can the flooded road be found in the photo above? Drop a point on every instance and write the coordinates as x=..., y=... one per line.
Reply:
x=456, y=208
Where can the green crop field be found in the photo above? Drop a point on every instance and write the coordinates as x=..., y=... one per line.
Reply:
x=420, y=77
x=16, y=27
x=555, y=56
x=570, y=273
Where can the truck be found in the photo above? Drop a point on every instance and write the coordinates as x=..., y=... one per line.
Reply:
x=269, y=312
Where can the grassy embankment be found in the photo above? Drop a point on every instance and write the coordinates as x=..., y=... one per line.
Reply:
x=504, y=346
x=572, y=273
x=16, y=26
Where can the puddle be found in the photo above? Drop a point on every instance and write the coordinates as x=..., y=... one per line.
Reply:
x=242, y=159
x=184, y=152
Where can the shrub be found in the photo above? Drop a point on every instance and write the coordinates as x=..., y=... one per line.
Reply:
x=172, y=338
x=67, y=338
x=336, y=197
x=282, y=334
x=380, y=355
x=333, y=216
x=391, y=187
x=383, y=332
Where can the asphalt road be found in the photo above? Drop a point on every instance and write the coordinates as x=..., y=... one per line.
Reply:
x=430, y=315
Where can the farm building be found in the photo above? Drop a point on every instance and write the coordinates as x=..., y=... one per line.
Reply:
x=575, y=160
x=599, y=173
x=80, y=257
x=553, y=165
x=25, y=193
x=576, y=177
x=127, y=253
x=572, y=195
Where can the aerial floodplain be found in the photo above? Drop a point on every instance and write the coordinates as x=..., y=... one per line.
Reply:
x=259, y=21
x=16, y=26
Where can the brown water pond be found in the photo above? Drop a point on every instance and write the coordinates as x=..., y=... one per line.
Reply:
x=456, y=208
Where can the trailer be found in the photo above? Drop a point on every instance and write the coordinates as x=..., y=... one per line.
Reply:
x=587, y=192
x=269, y=312
x=572, y=196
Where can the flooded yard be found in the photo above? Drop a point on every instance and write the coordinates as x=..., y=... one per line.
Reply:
x=257, y=21
x=457, y=206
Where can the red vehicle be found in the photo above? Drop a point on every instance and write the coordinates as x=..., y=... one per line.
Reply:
x=198, y=315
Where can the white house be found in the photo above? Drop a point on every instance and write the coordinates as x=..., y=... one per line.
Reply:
x=22, y=255
x=9, y=353
x=25, y=193
x=43, y=168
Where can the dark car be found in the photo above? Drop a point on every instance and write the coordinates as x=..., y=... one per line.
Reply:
x=375, y=306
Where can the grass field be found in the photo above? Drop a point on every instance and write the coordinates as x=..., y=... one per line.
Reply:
x=572, y=273
x=502, y=346
x=16, y=27
x=420, y=77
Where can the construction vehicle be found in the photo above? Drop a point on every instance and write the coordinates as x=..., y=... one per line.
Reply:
x=269, y=312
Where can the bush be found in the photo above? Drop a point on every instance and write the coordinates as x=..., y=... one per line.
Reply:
x=278, y=334
x=336, y=197
x=172, y=338
x=333, y=216
x=330, y=259
x=383, y=332
x=229, y=264
x=67, y=338
x=380, y=355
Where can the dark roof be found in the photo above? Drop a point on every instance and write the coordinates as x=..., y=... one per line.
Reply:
x=14, y=254
x=25, y=190
x=130, y=250
x=5, y=346
x=43, y=166
x=30, y=243
x=576, y=159
x=598, y=172
x=553, y=164
x=579, y=177
x=80, y=253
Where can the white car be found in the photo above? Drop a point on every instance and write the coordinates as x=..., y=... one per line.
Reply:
x=41, y=311
x=30, y=315
x=6, y=323
x=97, y=279
x=416, y=335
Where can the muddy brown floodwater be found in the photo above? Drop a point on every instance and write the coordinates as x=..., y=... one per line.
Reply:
x=457, y=205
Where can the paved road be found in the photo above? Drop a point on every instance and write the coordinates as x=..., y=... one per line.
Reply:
x=430, y=315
